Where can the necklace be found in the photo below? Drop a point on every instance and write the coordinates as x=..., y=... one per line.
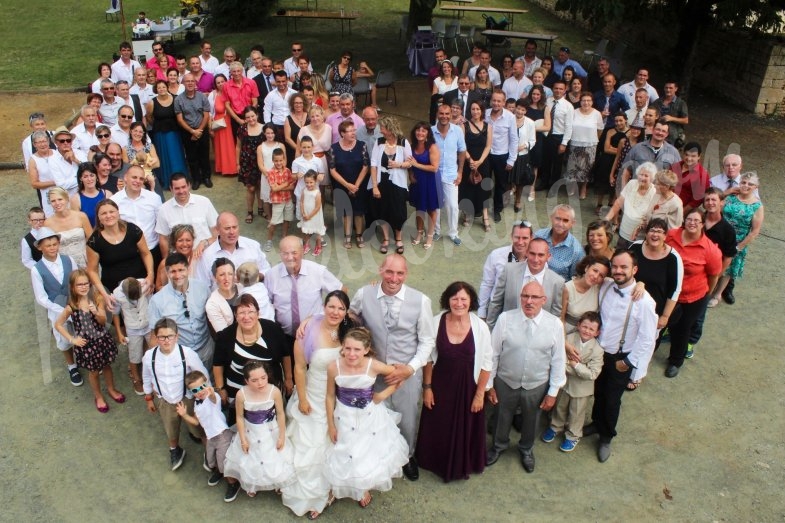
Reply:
x=332, y=332
x=255, y=337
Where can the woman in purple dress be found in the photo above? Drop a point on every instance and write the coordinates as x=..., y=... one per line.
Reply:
x=451, y=441
x=423, y=194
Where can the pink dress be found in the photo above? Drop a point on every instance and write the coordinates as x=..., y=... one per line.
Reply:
x=223, y=141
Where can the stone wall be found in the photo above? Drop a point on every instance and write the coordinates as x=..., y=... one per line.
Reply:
x=746, y=71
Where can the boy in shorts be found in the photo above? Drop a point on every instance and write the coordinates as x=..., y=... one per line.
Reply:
x=282, y=183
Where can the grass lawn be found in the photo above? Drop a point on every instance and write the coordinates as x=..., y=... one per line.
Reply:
x=60, y=46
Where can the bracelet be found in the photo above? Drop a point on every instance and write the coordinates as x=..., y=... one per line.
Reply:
x=427, y=386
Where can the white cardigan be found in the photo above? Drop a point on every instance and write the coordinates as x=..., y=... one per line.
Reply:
x=483, y=351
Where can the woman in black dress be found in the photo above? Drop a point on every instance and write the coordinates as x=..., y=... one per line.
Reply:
x=349, y=163
x=542, y=124
x=297, y=119
x=451, y=441
x=249, y=137
x=119, y=249
x=608, y=149
x=474, y=192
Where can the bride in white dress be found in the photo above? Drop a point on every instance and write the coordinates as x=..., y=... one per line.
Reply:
x=72, y=226
x=306, y=416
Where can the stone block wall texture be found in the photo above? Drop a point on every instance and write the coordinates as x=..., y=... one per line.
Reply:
x=746, y=71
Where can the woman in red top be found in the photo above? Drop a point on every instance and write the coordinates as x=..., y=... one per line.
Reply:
x=702, y=266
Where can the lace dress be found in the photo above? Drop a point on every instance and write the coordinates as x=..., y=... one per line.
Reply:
x=73, y=243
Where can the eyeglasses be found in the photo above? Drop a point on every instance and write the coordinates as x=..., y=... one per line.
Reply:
x=168, y=337
x=187, y=312
x=530, y=297
x=296, y=50
x=156, y=49
x=37, y=220
x=655, y=231
x=346, y=58
x=103, y=135
x=64, y=140
x=198, y=389
x=126, y=116
x=107, y=88
x=693, y=220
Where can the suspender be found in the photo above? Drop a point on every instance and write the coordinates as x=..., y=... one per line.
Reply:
x=155, y=376
x=626, y=319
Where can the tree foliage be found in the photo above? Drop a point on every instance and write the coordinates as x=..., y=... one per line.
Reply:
x=240, y=14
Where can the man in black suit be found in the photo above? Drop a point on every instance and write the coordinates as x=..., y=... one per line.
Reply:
x=265, y=80
x=464, y=94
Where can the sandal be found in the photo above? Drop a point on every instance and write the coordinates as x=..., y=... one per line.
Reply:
x=249, y=218
x=418, y=239
x=312, y=515
x=347, y=242
x=398, y=246
x=383, y=247
x=360, y=241
x=428, y=242
x=367, y=498
x=260, y=212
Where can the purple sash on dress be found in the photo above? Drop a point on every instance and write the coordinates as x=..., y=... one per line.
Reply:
x=356, y=398
x=257, y=417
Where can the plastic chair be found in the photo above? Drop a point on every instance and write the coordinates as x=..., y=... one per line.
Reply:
x=385, y=79
x=439, y=28
x=468, y=37
x=362, y=88
x=111, y=14
x=455, y=59
x=597, y=52
x=451, y=33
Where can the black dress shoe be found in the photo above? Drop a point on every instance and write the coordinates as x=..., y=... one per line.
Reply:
x=728, y=297
x=492, y=457
x=589, y=430
x=208, y=183
x=672, y=371
x=196, y=184
x=411, y=470
x=527, y=460
x=497, y=217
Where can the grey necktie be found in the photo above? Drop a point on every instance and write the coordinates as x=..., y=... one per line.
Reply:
x=389, y=314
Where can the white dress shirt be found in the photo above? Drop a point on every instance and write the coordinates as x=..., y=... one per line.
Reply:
x=493, y=268
x=514, y=88
x=108, y=111
x=169, y=371
x=140, y=211
x=199, y=212
x=426, y=330
x=505, y=135
x=119, y=136
x=244, y=250
x=493, y=75
x=83, y=139
x=63, y=172
x=145, y=94
x=259, y=291
x=276, y=106
x=123, y=71
x=210, y=416
x=210, y=65
x=628, y=91
x=526, y=135
x=561, y=123
x=56, y=268
x=641, y=330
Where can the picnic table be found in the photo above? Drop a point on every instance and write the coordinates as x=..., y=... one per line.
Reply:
x=509, y=12
x=343, y=16
x=548, y=39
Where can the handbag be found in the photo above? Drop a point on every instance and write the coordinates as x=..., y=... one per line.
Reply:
x=218, y=124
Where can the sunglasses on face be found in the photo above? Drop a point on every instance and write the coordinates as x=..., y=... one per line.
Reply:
x=199, y=388
x=64, y=140
x=103, y=135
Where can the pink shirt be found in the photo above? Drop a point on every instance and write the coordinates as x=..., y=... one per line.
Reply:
x=240, y=96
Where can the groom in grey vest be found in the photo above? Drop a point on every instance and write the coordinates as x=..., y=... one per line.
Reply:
x=401, y=323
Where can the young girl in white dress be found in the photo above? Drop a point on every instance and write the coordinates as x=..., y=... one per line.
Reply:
x=264, y=160
x=368, y=449
x=312, y=223
x=260, y=455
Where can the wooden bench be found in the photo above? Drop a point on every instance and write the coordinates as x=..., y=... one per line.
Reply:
x=344, y=17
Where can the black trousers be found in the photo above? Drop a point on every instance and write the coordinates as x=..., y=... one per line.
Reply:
x=608, y=389
x=197, y=154
x=498, y=168
x=550, y=170
x=680, y=326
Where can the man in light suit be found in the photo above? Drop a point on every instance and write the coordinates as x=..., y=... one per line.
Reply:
x=401, y=324
x=506, y=294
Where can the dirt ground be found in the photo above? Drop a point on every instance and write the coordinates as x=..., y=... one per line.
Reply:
x=706, y=446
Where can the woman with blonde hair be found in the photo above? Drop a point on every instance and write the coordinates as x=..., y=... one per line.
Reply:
x=73, y=226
